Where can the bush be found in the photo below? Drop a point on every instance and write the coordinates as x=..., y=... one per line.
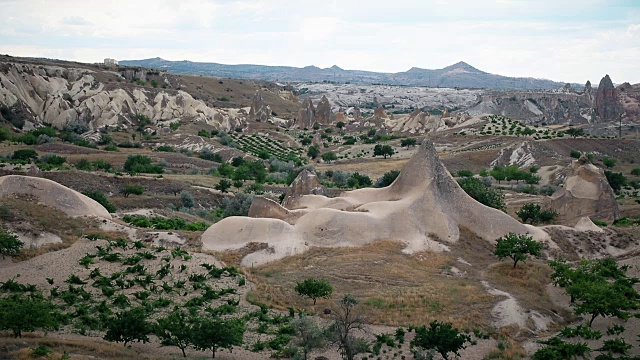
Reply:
x=236, y=206
x=575, y=154
x=465, y=173
x=10, y=245
x=532, y=213
x=616, y=180
x=635, y=171
x=132, y=189
x=100, y=198
x=165, y=148
x=440, y=337
x=187, y=199
x=24, y=154
x=483, y=194
x=141, y=164
x=53, y=159
x=329, y=156
x=359, y=181
x=609, y=162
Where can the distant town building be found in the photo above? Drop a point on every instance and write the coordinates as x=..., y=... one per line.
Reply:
x=111, y=62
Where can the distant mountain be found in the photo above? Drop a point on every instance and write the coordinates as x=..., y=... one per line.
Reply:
x=460, y=75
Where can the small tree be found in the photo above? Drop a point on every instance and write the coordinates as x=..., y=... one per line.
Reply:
x=238, y=184
x=309, y=335
x=441, y=337
x=211, y=333
x=609, y=162
x=132, y=189
x=187, y=199
x=346, y=321
x=314, y=289
x=532, y=213
x=176, y=329
x=340, y=124
x=387, y=179
x=10, y=245
x=224, y=185
x=575, y=154
x=517, y=247
x=129, y=326
x=485, y=195
x=408, y=142
x=20, y=313
x=384, y=150
x=329, y=156
x=314, y=151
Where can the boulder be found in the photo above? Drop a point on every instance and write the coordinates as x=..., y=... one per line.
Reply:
x=606, y=99
x=585, y=193
x=50, y=193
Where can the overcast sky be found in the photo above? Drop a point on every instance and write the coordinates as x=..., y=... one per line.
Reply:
x=562, y=40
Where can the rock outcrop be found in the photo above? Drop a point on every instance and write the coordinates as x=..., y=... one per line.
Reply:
x=50, y=193
x=259, y=110
x=307, y=115
x=306, y=183
x=324, y=115
x=607, y=106
x=585, y=193
x=58, y=96
x=379, y=112
x=424, y=208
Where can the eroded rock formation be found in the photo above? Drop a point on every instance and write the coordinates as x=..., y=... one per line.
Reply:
x=307, y=115
x=607, y=105
x=324, y=115
x=585, y=193
x=259, y=110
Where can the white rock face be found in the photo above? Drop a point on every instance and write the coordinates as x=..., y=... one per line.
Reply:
x=58, y=96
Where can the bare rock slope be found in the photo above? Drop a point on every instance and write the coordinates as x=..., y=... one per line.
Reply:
x=50, y=193
x=424, y=209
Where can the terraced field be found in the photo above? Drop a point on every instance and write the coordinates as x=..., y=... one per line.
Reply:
x=257, y=144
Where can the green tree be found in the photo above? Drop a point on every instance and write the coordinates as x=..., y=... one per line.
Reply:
x=175, y=329
x=187, y=199
x=483, y=194
x=340, y=124
x=129, y=326
x=383, y=150
x=314, y=289
x=575, y=132
x=98, y=196
x=329, y=156
x=387, y=179
x=10, y=245
x=223, y=185
x=225, y=170
x=616, y=180
x=211, y=333
x=238, y=184
x=609, y=162
x=532, y=213
x=575, y=154
x=441, y=337
x=20, y=313
x=25, y=154
x=141, y=164
x=132, y=189
x=241, y=174
x=558, y=349
x=314, y=151
x=517, y=247
x=408, y=142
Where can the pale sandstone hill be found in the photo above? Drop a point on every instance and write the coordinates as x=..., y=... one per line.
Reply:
x=586, y=192
x=50, y=193
x=424, y=209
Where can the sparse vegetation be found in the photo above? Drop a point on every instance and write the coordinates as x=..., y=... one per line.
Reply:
x=517, y=247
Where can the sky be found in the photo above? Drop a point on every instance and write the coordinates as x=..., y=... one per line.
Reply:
x=562, y=40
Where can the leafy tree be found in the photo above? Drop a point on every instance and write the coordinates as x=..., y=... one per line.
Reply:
x=635, y=171
x=340, y=124
x=387, y=179
x=329, y=156
x=383, y=150
x=187, y=199
x=238, y=184
x=314, y=151
x=441, y=337
x=129, y=326
x=20, y=313
x=532, y=213
x=558, y=349
x=238, y=161
x=226, y=170
x=211, y=333
x=575, y=154
x=346, y=321
x=264, y=154
x=141, y=164
x=616, y=180
x=308, y=335
x=175, y=329
x=223, y=185
x=132, y=189
x=10, y=245
x=241, y=174
x=408, y=142
x=517, y=247
x=465, y=173
x=609, y=162
x=314, y=289
x=357, y=180
x=483, y=194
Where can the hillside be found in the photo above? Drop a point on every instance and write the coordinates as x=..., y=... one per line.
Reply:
x=460, y=75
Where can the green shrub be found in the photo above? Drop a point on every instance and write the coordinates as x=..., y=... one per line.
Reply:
x=165, y=148
x=609, y=162
x=132, y=189
x=533, y=214
x=575, y=154
x=387, y=179
x=465, y=173
x=98, y=196
x=141, y=164
x=24, y=154
x=635, y=171
x=485, y=195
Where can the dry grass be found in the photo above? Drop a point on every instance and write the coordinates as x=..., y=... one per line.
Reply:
x=393, y=288
x=40, y=218
x=82, y=348
x=507, y=349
